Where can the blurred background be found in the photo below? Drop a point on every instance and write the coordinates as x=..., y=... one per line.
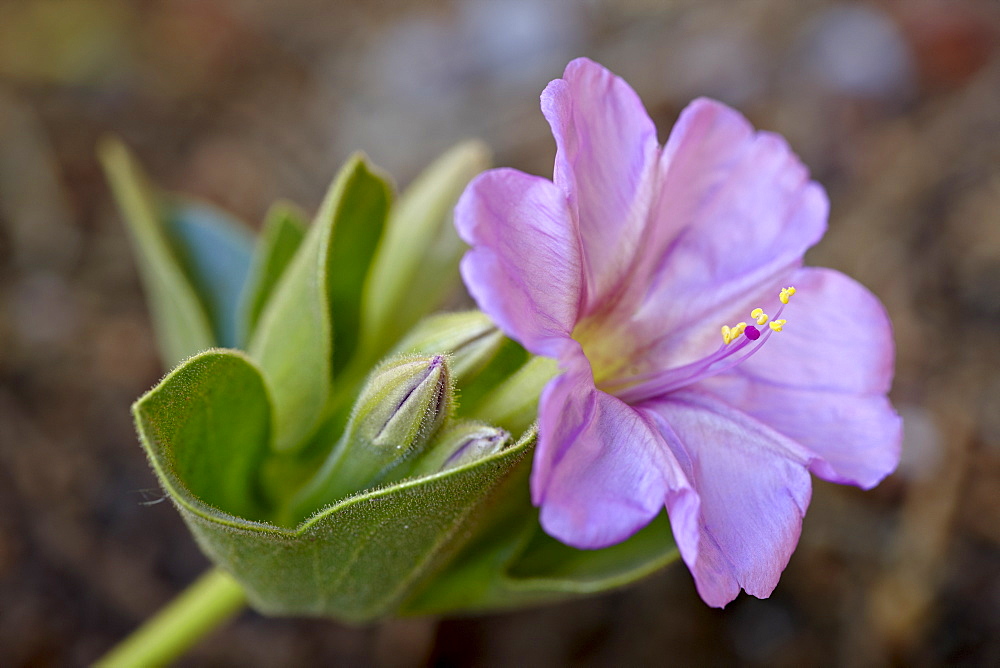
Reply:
x=894, y=105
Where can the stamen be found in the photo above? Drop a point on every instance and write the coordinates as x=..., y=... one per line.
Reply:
x=730, y=334
x=739, y=343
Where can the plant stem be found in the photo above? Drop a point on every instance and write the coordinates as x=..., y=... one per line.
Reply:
x=211, y=600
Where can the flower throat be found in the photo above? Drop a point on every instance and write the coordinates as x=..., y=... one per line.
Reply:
x=739, y=343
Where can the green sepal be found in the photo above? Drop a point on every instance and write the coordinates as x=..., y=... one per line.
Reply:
x=416, y=264
x=283, y=232
x=309, y=327
x=205, y=425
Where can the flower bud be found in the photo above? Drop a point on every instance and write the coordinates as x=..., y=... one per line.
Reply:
x=404, y=403
x=460, y=444
x=470, y=339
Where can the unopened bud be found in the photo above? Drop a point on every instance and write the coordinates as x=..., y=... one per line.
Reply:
x=470, y=339
x=404, y=403
x=460, y=444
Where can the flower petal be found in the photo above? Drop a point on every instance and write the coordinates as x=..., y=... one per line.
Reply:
x=822, y=380
x=524, y=266
x=753, y=487
x=855, y=438
x=606, y=155
x=601, y=471
x=735, y=214
x=838, y=337
x=736, y=204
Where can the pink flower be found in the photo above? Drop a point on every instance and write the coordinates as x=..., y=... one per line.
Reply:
x=623, y=268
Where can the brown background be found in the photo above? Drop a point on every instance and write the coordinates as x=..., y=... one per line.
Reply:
x=895, y=106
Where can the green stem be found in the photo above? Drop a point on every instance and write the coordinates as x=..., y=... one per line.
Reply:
x=213, y=598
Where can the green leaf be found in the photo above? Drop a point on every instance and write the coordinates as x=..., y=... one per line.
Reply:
x=517, y=564
x=208, y=424
x=361, y=218
x=215, y=250
x=284, y=229
x=194, y=259
x=356, y=560
x=180, y=320
x=547, y=565
x=417, y=261
x=315, y=303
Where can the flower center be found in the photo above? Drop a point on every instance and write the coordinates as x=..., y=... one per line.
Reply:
x=739, y=343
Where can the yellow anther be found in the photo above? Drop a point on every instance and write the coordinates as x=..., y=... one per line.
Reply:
x=785, y=294
x=738, y=329
x=727, y=334
x=778, y=324
x=759, y=316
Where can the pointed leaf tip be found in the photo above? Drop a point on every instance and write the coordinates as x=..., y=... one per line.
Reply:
x=180, y=319
x=308, y=329
x=416, y=264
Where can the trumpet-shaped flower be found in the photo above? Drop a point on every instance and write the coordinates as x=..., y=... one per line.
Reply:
x=626, y=267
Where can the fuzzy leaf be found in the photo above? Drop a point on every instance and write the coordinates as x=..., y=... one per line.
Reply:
x=205, y=426
x=208, y=424
x=284, y=229
x=360, y=220
x=309, y=326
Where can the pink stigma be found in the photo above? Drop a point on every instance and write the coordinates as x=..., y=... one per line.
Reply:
x=752, y=333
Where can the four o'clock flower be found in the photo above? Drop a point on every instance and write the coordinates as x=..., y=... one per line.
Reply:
x=701, y=366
